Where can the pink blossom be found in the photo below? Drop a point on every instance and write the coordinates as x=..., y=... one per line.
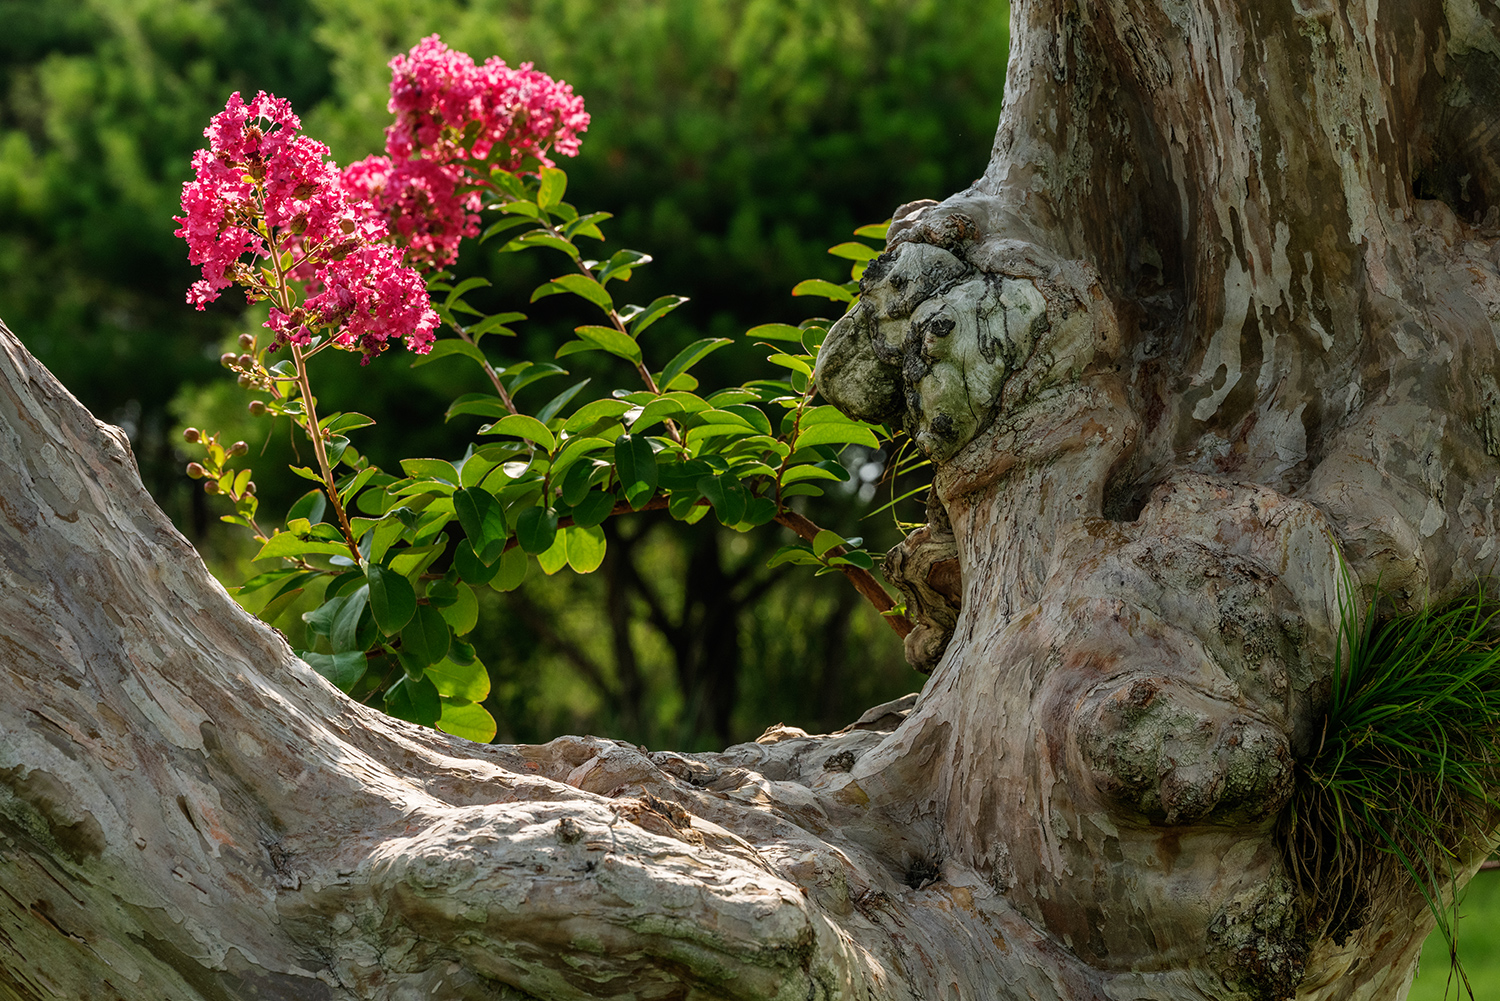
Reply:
x=437, y=93
x=421, y=203
x=262, y=188
x=452, y=117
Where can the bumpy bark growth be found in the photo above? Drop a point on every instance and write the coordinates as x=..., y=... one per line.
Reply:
x=1226, y=303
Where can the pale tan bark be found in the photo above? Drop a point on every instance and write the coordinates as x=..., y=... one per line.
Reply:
x=1190, y=337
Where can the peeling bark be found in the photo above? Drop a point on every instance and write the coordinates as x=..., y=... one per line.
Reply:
x=1224, y=308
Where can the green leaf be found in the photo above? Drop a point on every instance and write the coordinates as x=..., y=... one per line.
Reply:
x=554, y=185
x=430, y=469
x=576, y=348
x=579, y=285
x=320, y=620
x=635, y=462
x=621, y=263
x=392, y=598
x=463, y=613
x=522, y=208
x=828, y=290
x=335, y=448
x=262, y=580
x=512, y=570
x=426, y=637
x=343, y=669
x=540, y=239
x=826, y=540
x=536, y=529
x=573, y=450
x=287, y=546
x=836, y=434
x=874, y=230
x=593, y=509
x=587, y=225
x=797, y=364
x=585, y=548
x=796, y=554
x=690, y=356
x=442, y=593
x=310, y=505
x=414, y=701
x=856, y=557
x=386, y=532
x=481, y=404
x=508, y=182
x=483, y=521
x=494, y=325
x=468, y=720
x=653, y=412
x=611, y=340
x=854, y=251
x=469, y=566
x=754, y=416
x=775, y=332
x=796, y=474
x=727, y=495
x=470, y=682
x=345, y=632
x=555, y=557
x=801, y=490
x=593, y=412
x=760, y=511
x=575, y=484
x=306, y=474
x=523, y=426
x=357, y=483
x=501, y=226
x=553, y=406
x=659, y=308
x=451, y=346
x=278, y=605
x=463, y=288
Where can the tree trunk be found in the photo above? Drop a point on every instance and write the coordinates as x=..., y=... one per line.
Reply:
x=1225, y=306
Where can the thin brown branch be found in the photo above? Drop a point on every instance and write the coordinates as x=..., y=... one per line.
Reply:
x=864, y=582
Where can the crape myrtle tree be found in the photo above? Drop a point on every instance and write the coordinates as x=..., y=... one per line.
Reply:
x=1206, y=356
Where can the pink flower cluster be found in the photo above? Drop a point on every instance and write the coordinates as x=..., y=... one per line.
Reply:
x=262, y=188
x=438, y=93
x=420, y=202
x=452, y=116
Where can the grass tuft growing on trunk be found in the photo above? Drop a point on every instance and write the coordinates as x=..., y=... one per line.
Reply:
x=1408, y=764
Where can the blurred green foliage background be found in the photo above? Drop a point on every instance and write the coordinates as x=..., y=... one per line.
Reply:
x=734, y=141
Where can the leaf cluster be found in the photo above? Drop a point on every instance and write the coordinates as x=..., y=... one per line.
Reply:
x=400, y=555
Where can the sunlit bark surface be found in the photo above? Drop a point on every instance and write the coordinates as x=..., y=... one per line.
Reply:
x=1225, y=306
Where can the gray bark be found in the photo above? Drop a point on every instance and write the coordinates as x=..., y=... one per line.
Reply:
x=1191, y=337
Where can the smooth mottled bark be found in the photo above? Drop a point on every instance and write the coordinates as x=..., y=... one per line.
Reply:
x=1223, y=311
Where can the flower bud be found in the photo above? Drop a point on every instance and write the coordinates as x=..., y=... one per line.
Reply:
x=247, y=341
x=249, y=488
x=244, y=380
x=196, y=470
x=347, y=226
x=257, y=408
x=211, y=486
x=192, y=435
x=227, y=359
x=246, y=361
x=238, y=448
